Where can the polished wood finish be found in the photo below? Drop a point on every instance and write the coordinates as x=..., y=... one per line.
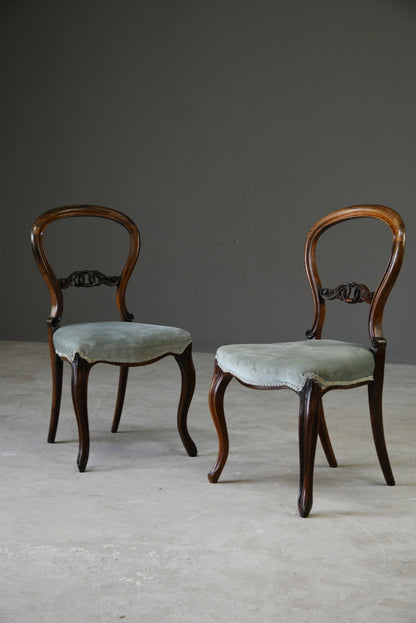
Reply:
x=382, y=213
x=80, y=367
x=88, y=279
x=187, y=369
x=57, y=372
x=52, y=281
x=350, y=292
x=375, y=400
x=79, y=388
x=219, y=384
x=324, y=437
x=311, y=415
x=122, y=385
x=309, y=399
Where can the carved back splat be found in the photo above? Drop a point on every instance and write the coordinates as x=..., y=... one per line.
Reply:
x=350, y=292
x=88, y=279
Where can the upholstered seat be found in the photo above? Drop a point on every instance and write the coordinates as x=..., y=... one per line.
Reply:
x=119, y=342
x=313, y=367
x=292, y=364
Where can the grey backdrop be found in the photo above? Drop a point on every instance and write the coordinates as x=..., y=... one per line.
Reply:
x=225, y=128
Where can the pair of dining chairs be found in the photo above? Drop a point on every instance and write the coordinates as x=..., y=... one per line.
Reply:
x=310, y=368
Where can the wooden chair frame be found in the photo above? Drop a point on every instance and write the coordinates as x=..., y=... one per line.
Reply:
x=80, y=367
x=311, y=415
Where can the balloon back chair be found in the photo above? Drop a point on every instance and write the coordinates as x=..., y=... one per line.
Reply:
x=122, y=343
x=313, y=367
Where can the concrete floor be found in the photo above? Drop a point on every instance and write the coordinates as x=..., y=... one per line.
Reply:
x=142, y=536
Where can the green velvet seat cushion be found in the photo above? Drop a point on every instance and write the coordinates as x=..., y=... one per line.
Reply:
x=119, y=342
x=291, y=364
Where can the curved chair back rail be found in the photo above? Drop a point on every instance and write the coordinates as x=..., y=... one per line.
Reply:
x=314, y=366
x=123, y=343
x=379, y=297
x=56, y=285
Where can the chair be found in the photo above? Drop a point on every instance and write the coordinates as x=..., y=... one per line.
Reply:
x=123, y=344
x=313, y=367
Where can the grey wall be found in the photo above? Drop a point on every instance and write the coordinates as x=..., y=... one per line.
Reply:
x=225, y=129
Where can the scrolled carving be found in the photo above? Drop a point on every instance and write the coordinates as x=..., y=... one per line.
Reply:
x=349, y=292
x=87, y=279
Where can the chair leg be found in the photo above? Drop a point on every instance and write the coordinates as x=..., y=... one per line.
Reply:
x=122, y=384
x=375, y=394
x=310, y=398
x=79, y=387
x=325, y=440
x=219, y=384
x=57, y=369
x=187, y=369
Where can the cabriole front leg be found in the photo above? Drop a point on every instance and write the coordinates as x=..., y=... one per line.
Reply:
x=310, y=397
x=219, y=384
x=187, y=369
x=79, y=387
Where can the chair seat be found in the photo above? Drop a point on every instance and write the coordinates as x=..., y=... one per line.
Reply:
x=291, y=364
x=119, y=342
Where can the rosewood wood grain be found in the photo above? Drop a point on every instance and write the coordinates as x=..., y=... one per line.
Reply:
x=57, y=373
x=55, y=290
x=375, y=401
x=382, y=213
x=309, y=399
x=324, y=437
x=187, y=369
x=219, y=384
x=79, y=387
x=121, y=393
